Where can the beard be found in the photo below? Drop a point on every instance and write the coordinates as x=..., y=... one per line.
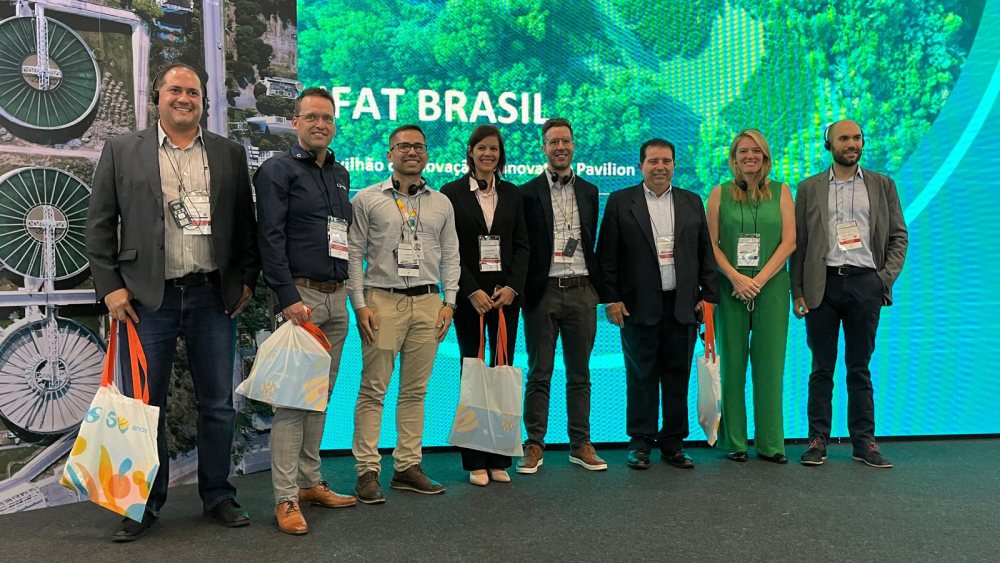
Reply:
x=841, y=159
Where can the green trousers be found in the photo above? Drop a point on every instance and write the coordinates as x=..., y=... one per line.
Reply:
x=758, y=336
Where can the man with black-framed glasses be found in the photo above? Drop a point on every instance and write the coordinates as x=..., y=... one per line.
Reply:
x=406, y=232
x=303, y=216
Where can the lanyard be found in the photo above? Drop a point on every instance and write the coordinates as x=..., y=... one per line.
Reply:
x=670, y=214
x=187, y=165
x=409, y=218
x=854, y=192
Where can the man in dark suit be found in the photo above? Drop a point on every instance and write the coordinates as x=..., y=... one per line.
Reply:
x=850, y=246
x=560, y=297
x=657, y=262
x=182, y=262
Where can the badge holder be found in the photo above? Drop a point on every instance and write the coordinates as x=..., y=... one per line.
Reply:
x=489, y=254
x=665, y=250
x=748, y=250
x=848, y=236
x=336, y=230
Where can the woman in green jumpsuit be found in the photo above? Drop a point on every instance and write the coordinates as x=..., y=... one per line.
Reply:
x=752, y=224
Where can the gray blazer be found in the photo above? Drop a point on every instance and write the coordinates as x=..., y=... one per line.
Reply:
x=127, y=189
x=889, y=237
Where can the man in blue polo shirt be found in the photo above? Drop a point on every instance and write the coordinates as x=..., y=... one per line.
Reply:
x=304, y=215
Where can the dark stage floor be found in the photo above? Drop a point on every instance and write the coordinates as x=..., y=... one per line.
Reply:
x=940, y=503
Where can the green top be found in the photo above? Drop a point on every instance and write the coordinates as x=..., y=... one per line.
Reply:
x=747, y=217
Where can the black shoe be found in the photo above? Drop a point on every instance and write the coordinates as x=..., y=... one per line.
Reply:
x=638, y=459
x=230, y=514
x=739, y=457
x=871, y=456
x=414, y=479
x=780, y=459
x=368, y=489
x=130, y=530
x=678, y=458
x=816, y=454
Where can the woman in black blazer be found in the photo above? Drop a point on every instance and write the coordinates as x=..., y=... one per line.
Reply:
x=488, y=211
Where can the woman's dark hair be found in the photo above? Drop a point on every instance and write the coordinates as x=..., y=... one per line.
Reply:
x=478, y=134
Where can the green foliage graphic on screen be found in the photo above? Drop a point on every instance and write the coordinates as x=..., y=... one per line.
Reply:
x=623, y=71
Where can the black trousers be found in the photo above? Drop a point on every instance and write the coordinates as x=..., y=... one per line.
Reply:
x=467, y=332
x=855, y=301
x=571, y=313
x=658, y=365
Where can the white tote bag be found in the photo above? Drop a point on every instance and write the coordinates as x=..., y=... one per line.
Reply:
x=709, y=383
x=490, y=403
x=114, y=459
x=292, y=369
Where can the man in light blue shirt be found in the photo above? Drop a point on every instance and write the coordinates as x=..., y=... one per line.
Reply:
x=406, y=233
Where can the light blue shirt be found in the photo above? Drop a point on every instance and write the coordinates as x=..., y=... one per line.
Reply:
x=379, y=227
x=661, y=217
x=566, y=221
x=848, y=201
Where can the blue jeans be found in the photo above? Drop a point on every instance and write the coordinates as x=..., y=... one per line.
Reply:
x=198, y=315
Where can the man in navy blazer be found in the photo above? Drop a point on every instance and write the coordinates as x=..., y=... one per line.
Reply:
x=659, y=269
x=560, y=297
x=171, y=239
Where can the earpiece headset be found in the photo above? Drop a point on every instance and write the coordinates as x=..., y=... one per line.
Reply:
x=412, y=189
x=154, y=93
x=826, y=136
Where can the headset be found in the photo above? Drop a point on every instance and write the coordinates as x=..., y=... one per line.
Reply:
x=564, y=180
x=413, y=189
x=826, y=136
x=154, y=93
x=483, y=184
x=742, y=184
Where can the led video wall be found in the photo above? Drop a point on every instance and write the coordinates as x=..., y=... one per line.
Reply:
x=921, y=78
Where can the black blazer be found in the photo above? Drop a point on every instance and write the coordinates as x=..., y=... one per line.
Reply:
x=127, y=187
x=508, y=224
x=627, y=254
x=538, y=217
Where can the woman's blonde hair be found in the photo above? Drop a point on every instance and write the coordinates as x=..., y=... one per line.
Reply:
x=757, y=186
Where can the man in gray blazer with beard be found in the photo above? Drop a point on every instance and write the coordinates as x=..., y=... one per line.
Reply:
x=850, y=246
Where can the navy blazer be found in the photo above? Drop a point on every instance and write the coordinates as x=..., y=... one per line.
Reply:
x=627, y=254
x=127, y=188
x=538, y=217
x=470, y=224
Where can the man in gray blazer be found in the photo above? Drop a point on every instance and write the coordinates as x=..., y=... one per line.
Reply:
x=850, y=246
x=171, y=239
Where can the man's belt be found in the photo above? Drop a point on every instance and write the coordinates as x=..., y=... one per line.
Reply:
x=411, y=291
x=320, y=286
x=847, y=270
x=195, y=279
x=570, y=282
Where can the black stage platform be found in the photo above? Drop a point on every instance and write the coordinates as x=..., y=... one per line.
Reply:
x=940, y=503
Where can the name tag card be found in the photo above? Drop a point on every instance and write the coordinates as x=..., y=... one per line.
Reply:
x=489, y=254
x=407, y=265
x=748, y=250
x=848, y=235
x=665, y=250
x=336, y=230
x=199, y=210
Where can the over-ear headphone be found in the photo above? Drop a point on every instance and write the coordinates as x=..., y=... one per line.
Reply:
x=826, y=136
x=742, y=184
x=564, y=180
x=154, y=93
x=483, y=184
x=412, y=189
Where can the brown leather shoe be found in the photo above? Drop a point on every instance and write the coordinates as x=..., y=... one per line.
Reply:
x=532, y=459
x=290, y=519
x=586, y=456
x=321, y=495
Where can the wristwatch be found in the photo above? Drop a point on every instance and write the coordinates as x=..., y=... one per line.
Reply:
x=452, y=305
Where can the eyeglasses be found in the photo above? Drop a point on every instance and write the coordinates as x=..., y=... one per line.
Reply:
x=559, y=142
x=313, y=118
x=418, y=148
